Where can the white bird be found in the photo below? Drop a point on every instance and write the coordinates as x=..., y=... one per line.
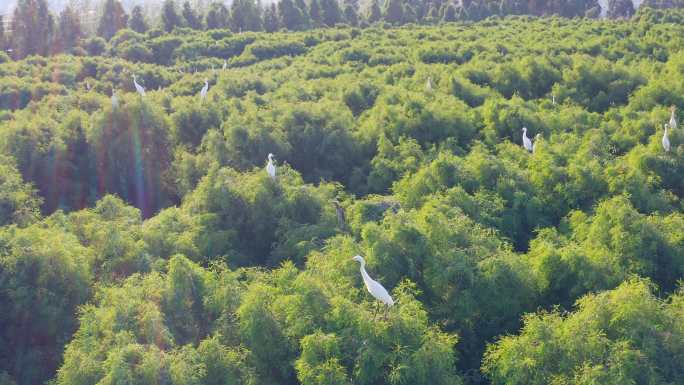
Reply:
x=225, y=64
x=527, y=143
x=374, y=287
x=115, y=100
x=673, y=120
x=666, y=140
x=553, y=99
x=428, y=84
x=270, y=167
x=205, y=89
x=536, y=140
x=138, y=87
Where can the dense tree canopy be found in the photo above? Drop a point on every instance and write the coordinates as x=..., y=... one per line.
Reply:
x=142, y=241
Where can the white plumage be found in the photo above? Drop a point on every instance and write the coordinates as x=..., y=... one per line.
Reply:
x=673, y=120
x=270, y=167
x=428, y=85
x=666, y=140
x=115, y=100
x=138, y=87
x=527, y=143
x=225, y=65
x=374, y=287
x=205, y=89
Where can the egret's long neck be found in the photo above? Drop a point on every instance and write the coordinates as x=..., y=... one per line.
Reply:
x=364, y=274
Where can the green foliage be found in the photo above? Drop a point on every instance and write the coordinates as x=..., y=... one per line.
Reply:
x=621, y=336
x=44, y=276
x=142, y=241
x=19, y=202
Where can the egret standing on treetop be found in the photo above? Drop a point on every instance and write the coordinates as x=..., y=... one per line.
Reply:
x=673, y=120
x=374, y=287
x=527, y=143
x=666, y=140
x=115, y=99
x=225, y=64
x=428, y=84
x=270, y=167
x=138, y=87
x=205, y=89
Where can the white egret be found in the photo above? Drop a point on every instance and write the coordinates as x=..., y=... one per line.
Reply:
x=138, y=87
x=553, y=99
x=666, y=140
x=537, y=138
x=205, y=89
x=115, y=100
x=225, y=64
x=270, y=167
x=527, y=143
x=428, y=84
x=374, y=287
x=673, y=120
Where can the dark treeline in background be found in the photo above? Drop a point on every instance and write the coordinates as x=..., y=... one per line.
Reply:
x=34, y=30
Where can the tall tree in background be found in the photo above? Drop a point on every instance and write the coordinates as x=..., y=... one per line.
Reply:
x=245, y=15
x=350, y=13
x=331, y=13
x=393, y=12
x=620, y=8
x=374, y=13
x=192, y=20
x=2, y=34
x=32, y=28
x=301, y=4
x=137, y=21
x=271, y=18
x=217, y=17
x=449, y=13
x=315, y=13
x=290, y=15
x=169, y=16
x=113, y=19
x=69, y=30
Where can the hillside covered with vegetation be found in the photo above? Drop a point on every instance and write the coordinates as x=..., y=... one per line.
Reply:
x=143, y=242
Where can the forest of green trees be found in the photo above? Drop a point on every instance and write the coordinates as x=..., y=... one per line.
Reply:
x=34, y=30
x=143, y=242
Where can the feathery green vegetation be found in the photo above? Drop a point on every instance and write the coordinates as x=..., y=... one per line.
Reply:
x=144, y=243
